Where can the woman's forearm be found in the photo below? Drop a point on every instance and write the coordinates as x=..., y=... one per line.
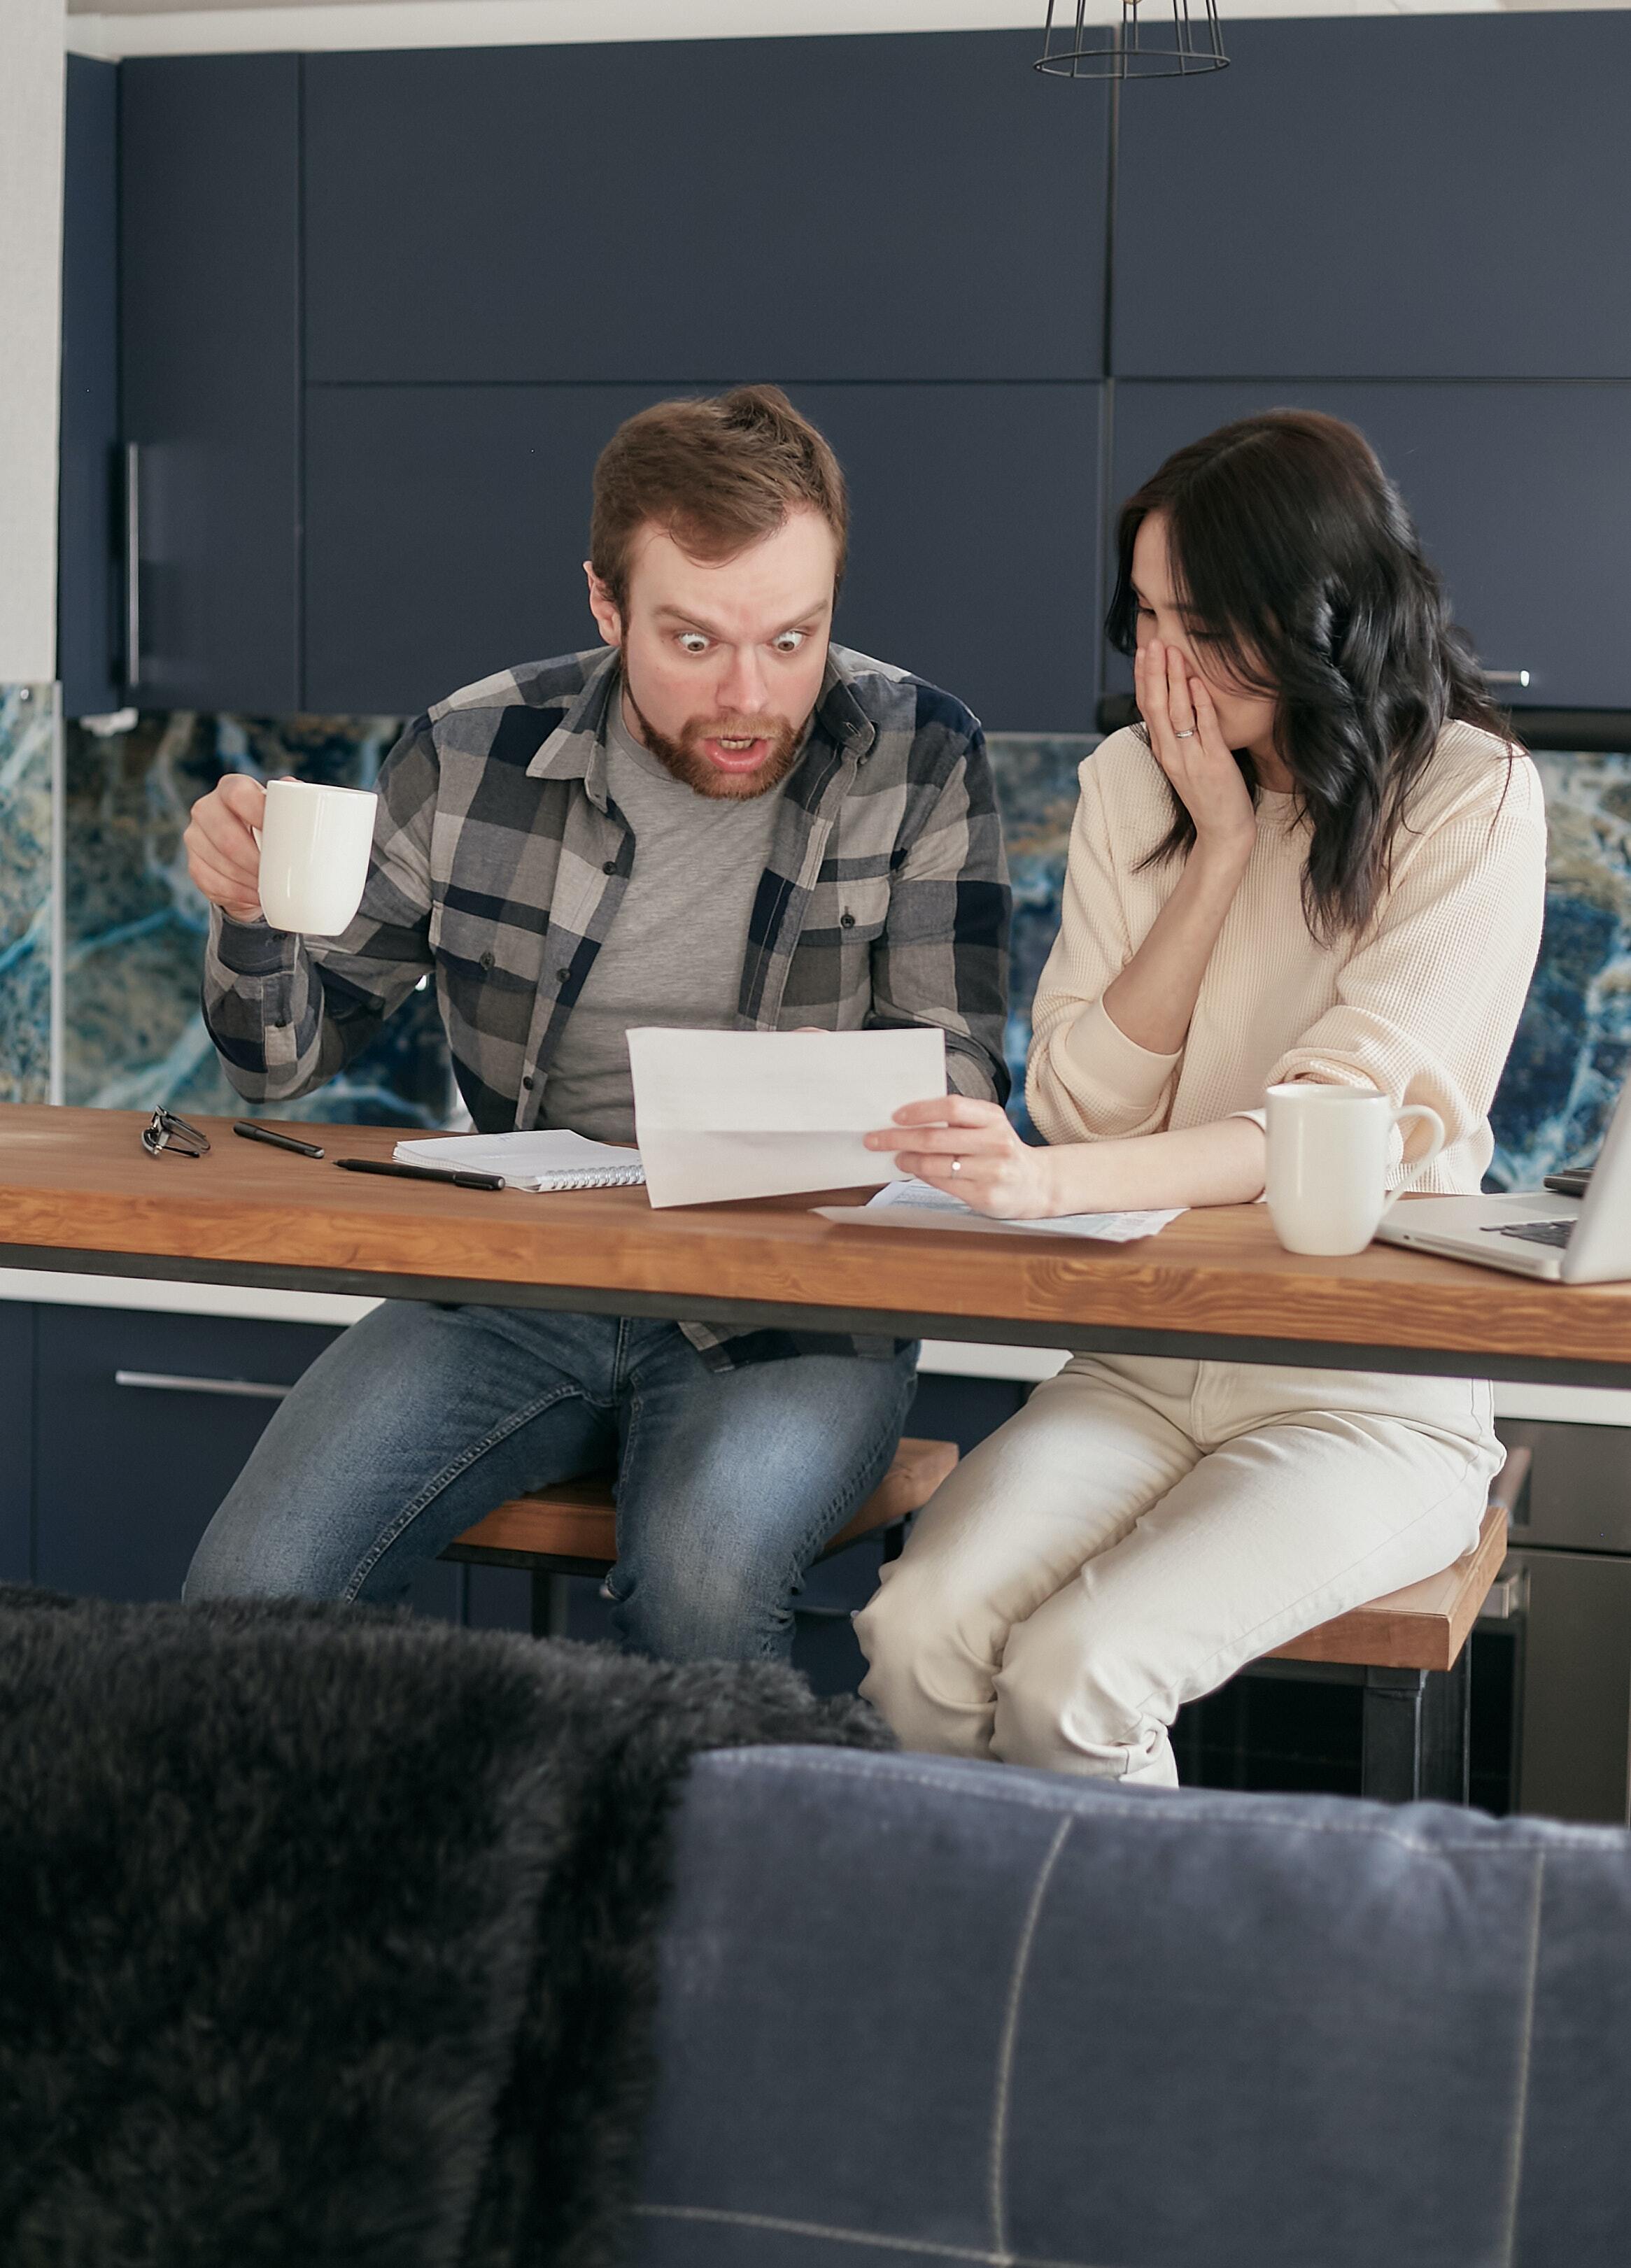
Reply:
x=1153, y=999
x=1219, y=1164
x=968, y=1149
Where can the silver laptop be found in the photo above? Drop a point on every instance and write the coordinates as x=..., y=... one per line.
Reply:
x=1570, y=1240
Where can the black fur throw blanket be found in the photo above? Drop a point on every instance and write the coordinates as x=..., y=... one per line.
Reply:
x=326, y=1935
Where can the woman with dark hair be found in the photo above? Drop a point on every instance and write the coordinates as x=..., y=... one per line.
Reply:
x=1319, y=857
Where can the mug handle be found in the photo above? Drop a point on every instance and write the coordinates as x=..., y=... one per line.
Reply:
x=1416, y=1110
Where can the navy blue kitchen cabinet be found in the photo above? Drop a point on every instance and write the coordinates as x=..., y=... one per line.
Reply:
x=90, y=590
x=974, y=540
x=16, y=1430
x=495, y=253
x=446, y=527
x=143, y=1422
x=879, y=207
x=1444, y=196
x=1519, y=489
x=209, y=270
x=445, y=531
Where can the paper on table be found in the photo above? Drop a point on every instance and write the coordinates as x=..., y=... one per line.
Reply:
x=915, y=1205
x=760, y=1113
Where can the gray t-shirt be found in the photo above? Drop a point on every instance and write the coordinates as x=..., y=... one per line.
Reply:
x=673, y=954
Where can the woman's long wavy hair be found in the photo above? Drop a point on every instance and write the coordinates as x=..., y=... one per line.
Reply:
x=1293, y=553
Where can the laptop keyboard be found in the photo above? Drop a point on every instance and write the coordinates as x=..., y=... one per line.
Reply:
x=1536, y=1232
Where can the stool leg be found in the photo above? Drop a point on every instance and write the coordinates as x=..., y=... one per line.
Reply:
x=1416, y=1744
x=1447, y=1762
x=550, y=1604
x=1390, y=1742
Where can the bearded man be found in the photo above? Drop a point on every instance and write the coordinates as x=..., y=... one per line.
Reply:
x=719, y=820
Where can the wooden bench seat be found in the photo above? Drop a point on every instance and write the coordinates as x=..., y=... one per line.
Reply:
x=1409, y=1649
x=572, y=1528
x=1410, y=1652
x=1425, y=1625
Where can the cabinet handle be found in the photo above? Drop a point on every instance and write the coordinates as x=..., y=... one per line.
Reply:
x=164, y=1383
x=1506, y=677
x=1507, y=1597
x=132, y=563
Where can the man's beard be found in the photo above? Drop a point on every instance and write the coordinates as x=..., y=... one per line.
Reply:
x=689, y=762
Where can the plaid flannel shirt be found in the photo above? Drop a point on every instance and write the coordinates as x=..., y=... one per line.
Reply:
x=499, y=862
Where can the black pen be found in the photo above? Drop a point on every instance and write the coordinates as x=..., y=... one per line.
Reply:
x=252, y=1133
x=460, y=1181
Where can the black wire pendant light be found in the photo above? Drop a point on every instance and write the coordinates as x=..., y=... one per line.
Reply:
x=1154, y=39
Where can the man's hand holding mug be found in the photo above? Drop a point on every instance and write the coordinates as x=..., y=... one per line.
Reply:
x=293, y=851
x=223, y=853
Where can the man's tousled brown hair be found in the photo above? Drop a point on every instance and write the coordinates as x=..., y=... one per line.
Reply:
x=716, y=474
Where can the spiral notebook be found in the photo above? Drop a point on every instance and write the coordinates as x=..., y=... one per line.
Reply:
x=538, y=1161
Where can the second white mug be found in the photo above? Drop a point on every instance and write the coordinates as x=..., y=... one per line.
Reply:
x=315, y=843
x=1328, y=1162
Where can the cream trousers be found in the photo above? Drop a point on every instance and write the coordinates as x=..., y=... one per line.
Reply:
x=1142, y=1529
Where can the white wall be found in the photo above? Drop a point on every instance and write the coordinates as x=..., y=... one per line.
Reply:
x=150, y=28
x=31, y=262
x=145, y=28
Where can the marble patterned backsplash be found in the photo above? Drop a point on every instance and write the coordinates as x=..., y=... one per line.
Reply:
x=1572, y=1048
x=135, y=927
x=28, y=729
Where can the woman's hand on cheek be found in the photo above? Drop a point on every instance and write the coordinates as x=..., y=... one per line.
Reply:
x=995, y=1172
x=1187, y=742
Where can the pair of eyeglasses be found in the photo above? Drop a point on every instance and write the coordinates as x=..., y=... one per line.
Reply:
x=166, y=1131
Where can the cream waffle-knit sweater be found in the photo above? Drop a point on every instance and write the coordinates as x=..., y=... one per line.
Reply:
x=1423, y=1006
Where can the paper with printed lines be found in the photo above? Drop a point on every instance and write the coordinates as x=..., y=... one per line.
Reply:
x=916, y=1204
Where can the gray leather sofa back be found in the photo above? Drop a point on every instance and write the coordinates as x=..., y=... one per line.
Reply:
x=915, y=2012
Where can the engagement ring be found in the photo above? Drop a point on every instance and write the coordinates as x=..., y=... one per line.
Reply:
x=1185, y=736
x=957, y=1165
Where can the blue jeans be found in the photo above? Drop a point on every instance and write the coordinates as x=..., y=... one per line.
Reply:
x=419, y=1420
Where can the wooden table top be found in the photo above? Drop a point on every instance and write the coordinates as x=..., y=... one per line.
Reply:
x=79, y=1192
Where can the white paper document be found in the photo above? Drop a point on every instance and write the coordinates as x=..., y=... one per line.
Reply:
x=914, y=1204
x=762, y=1113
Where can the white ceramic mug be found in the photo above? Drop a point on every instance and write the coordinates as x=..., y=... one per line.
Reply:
x=315, y=844
x=1328, y=1160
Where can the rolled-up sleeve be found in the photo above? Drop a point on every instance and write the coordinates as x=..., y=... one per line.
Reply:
x=1087, y=1080
x=943, y=956
x=1426, y=1007
x=287, y=1013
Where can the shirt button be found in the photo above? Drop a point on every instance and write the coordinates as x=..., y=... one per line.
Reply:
x=847, y=921
x=527, y=1082
x=611, y=867
x=561, y=975
x=487, y=960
